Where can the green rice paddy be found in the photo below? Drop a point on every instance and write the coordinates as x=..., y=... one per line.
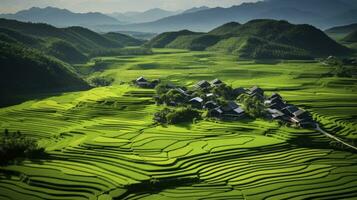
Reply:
x=103, y=144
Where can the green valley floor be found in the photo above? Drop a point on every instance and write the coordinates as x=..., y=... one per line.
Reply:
x=103, y=144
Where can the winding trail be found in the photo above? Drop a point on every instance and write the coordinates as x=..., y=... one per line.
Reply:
x=318, y=128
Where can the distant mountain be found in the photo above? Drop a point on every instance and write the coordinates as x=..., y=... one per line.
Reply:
x=139, y=35
x=195, y=9
x=125, y=40
x=320, y=13
x=26, y=72
x=164, y=39
x=257, y=39
x=147, y=16
x=352, y=37
x=229, y=28
x=72, y=44
x=60, y=17
x=343, y=29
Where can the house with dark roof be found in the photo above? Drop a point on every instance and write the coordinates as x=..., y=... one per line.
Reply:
x=277, y=115
x=275, y=103
x=238, y=91
x=182, y=92
x=289, y=110
x=256, y=92
x=210, y=105
x=303, y=119
x=275, y=95
x=302, y=114
x=216, y=82
x=144, y=83
x=216, y=112
x=232, y=110
x=203, y=84
x=304, y=123
x=196, y=102
x=141, y=79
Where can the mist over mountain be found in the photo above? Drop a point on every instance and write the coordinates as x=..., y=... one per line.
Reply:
x=320, y=13
x=60, y=17
x=146, y=16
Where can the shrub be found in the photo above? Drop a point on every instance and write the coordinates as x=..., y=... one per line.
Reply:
x=224, y=91
x=177, y=116
x=101, y=81
x=253, y=106
x=15, y=145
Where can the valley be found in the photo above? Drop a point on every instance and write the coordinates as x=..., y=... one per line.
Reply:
x=102, y=143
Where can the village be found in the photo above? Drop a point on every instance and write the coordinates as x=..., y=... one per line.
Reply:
x=226, y=103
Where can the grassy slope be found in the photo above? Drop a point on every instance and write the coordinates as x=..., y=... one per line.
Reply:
x=70, y=44
x=258, y=39
x=102, y=139
x=26, y=71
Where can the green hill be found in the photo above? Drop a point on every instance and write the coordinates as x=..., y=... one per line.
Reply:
x=80, y=39
x=352, y=37
x=11, y=36
x=124, y=39
x=229, y=28
x=259, y=39
x=25, y=71
x=197, y=42
x=65, y=51
x=164, y=39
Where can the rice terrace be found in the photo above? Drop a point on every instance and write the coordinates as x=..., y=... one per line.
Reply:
x=260, y=109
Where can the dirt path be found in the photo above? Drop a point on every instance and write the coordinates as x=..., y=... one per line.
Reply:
x=334, y=137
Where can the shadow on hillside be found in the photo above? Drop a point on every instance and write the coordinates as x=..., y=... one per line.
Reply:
x=15, y=99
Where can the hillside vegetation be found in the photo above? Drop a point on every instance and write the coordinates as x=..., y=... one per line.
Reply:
x=257, y=39
x=26, y=71
x=352, y=37
x=103, y=143
x=72, y=44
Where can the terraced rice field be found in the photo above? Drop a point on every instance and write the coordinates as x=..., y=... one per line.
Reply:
x=103, y=143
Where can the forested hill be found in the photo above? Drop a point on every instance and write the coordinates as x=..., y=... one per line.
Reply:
x=26, y=71
x=71, y=44
x=258, y=39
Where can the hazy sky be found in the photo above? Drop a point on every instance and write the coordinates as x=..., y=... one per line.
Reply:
x=108, y=6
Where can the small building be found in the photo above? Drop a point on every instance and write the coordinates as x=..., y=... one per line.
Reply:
x=210, y=105
x=303, y=123
x=144, y=84
x=182, y=92
x=203, y=84
x=210, y=95
x=238, y=91
x=216, y=82
x=216, y=112
x=141, y=79
x=301, y=114
x=277, y=115
x=256, y=92
x=277, y=105
x=232, y=110
x=275, y=101
x=196, y=102
x=289, y=110
x=233, y=113
x=275, y=96
x=155, y=82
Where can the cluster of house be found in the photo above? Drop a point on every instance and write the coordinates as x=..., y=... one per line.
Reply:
x=229, y=110
x=278, y=109
x=144, y=83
